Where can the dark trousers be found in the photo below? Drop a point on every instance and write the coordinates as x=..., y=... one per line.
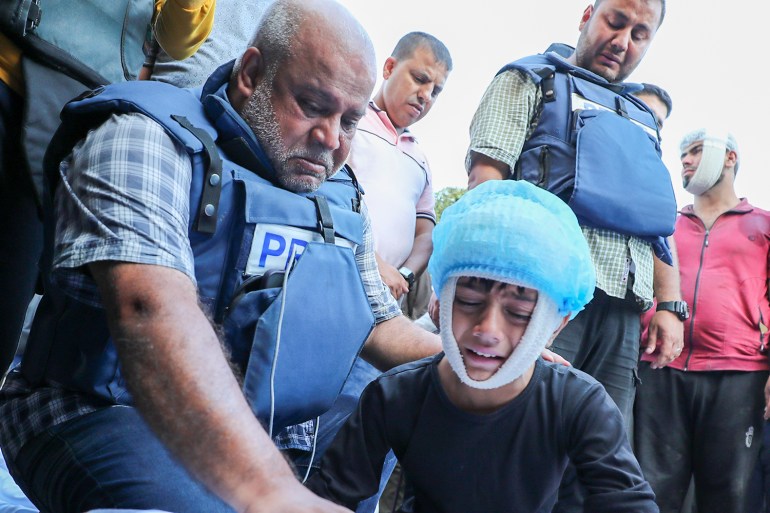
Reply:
x=21, y=230
x=603, y=341
x=107, y=459
x=706, y=425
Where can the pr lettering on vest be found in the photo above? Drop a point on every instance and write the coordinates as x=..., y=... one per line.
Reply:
x=274, y=245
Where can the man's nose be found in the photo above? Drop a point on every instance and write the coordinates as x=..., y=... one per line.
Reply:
x=620, y=41
x=327, y=133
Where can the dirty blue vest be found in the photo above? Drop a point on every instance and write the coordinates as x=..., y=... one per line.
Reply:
x=276, y=270
x=597, y=147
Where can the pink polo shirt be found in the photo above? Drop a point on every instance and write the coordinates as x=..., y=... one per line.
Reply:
x=396, y=180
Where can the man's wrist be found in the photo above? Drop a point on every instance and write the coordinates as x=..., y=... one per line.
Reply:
x=407, y=274
x=678, y=308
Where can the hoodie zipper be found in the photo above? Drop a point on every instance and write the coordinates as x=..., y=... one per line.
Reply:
x=695, y=296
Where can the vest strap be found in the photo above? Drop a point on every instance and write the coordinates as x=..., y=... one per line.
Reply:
x=206, y=221
x=325, y=221
x=546, y=85
x=620, y=107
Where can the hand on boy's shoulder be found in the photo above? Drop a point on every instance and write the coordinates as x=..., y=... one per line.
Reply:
x=550, y=356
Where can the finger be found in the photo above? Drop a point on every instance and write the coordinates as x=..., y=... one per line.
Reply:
x=652, y=340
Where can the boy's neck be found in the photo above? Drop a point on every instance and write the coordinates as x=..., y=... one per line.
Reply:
x=474, y=400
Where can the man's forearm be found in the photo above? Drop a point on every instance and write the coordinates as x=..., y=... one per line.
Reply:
x=485, y=168
x=183, y=385
x=397, y=341
x=422, y=246
x=666, y=286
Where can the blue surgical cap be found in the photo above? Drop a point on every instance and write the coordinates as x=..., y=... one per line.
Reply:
x=515, y=232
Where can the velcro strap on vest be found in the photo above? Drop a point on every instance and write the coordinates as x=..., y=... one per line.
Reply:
x=206, y=221
x=549, y=93
x=620, y=107
x=325, y=221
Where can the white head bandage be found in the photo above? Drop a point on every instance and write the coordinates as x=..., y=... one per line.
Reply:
x=712, y=159
x=512, y=232
x=542, y=325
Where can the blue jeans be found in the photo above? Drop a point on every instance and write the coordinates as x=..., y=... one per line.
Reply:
x=107, y=459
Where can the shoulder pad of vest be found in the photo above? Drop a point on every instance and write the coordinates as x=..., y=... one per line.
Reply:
x=157, y=100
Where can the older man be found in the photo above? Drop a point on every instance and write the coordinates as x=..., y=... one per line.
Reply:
x=125, y=397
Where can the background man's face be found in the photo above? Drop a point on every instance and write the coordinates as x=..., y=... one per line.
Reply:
x=411, y=86
x=305, y=113
x=615, y=36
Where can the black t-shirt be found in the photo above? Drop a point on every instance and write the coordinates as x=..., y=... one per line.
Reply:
x=510, y=460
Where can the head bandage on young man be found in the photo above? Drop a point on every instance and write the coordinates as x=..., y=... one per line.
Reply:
x=515, y=233
x=712, y=161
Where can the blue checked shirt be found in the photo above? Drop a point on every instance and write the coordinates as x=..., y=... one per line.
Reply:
x=124, y=197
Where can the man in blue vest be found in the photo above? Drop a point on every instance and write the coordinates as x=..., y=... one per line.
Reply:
x=526, y=127
x=191, y=224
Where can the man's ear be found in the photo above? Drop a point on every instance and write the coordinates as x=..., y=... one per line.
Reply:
x=731, y=158
x=251, y=70
x=586, y=16
x=387, y=69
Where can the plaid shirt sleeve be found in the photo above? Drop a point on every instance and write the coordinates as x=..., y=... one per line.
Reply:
x=124, y=196
x=384, y=305
x=503, y=119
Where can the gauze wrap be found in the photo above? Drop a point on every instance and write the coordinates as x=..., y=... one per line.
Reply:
x=512, y=232
x=712, y=158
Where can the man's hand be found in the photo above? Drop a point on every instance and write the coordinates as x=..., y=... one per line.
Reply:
x=392, y=278
x=767, y=399
x=665, y=337
x=550, y=356
x=484, y=168
x=434, y=310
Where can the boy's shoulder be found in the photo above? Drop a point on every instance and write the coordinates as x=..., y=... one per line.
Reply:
x=411, y=370
x=409, y=378
x=572, y=380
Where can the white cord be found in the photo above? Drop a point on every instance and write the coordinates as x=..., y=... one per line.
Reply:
x=312, y=454
x=289, y=266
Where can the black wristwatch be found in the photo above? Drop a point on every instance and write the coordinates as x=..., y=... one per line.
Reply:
x=408, y=275
x=677, y=307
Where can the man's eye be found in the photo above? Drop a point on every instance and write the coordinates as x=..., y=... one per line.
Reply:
x=349, y=124
x=309, y=107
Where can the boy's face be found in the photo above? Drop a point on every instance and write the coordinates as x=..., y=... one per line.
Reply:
x=488, y=321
